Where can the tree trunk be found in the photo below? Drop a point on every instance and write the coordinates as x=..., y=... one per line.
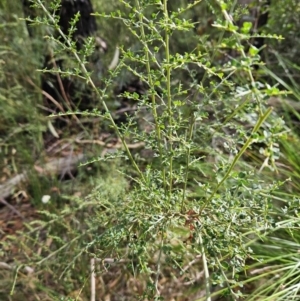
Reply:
x=86, y=26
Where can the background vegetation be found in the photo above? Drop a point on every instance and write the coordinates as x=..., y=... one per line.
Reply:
x=171, y=174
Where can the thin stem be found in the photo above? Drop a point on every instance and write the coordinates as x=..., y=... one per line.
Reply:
x=225, y=277
x=260, y=121
x=159, y=263
x=150, y=81
x=188, y=156
x=236, y=35
x=206, y=271
x=15, y=278
x=90, y=81
x=169, y=96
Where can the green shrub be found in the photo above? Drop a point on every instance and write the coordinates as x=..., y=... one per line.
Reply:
x=195, y=205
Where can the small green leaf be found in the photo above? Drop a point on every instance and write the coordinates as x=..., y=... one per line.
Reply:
x=246, y=28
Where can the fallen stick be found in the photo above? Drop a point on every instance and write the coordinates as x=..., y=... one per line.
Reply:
x=55, y=166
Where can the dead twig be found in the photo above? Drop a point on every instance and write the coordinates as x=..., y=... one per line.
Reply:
x=116, y=145
x=47, y=95
x=93, y=280
x=55, y=166
x=12, y=208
